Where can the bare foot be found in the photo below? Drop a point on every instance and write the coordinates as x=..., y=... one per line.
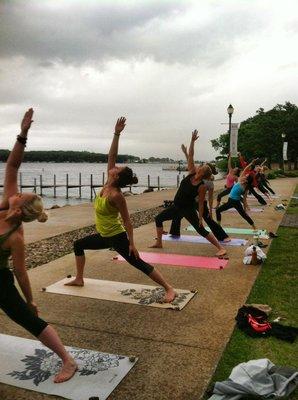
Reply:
x=75, y=282
x=221, y=253
x=157, y=245
x=67, y=371
x=170, y=295
x=227, y=240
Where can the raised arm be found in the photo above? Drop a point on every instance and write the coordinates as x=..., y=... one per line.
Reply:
x=247, y=168
x=243, y=163
x=190, y=160
x=15, y=159
x=263, y=163
x=184, y=150
x=113, y=153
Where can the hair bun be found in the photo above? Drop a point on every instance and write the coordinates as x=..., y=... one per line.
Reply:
x=42, y=217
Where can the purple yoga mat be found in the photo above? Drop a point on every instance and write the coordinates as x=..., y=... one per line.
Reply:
x=252, y=209
x=181, y=260
x=200, y=239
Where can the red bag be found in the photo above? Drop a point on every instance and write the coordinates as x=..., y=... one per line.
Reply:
x=257, y=326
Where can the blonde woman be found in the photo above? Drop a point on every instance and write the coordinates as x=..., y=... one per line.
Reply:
x=111, y=232
x=15, y=209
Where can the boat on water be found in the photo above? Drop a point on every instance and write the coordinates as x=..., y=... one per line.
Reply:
x=178, y=168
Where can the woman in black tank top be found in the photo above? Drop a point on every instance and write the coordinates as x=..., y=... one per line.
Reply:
x=16, y=208
x=185, y=205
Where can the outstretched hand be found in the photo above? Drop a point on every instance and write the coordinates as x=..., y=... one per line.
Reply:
x=184, y=148
x=194, y=135
x=27, y=121
x=120, y=125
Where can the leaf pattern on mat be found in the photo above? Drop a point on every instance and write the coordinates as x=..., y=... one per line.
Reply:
x=44, y=364
x=150, y=296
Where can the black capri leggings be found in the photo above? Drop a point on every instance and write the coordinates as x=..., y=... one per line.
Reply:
x=266, y=185
x=119, y=242
x=15, y=307
x=233, y=204
x=225, y=192
x=190, y=213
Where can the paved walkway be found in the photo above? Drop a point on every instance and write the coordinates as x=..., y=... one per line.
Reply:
x=178, y=351
x=69, y=218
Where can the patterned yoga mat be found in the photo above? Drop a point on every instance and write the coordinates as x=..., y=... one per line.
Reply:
x=123, y=292
x=29, y=365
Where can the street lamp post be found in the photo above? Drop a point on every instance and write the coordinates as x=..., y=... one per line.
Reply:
x=230, y=111
x=283, y=135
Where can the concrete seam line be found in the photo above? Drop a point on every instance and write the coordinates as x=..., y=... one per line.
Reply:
x=132, y=336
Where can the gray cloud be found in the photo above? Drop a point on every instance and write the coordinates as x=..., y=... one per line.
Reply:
x=78, y=32
x=168, y=66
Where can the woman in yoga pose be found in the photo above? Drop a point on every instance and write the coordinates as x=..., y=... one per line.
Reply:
x=238, y=190
x=263, y=179
x=185, y=205
x=16, y=208
x=253, y=181
x=207, y=187
x=231, y=179
x=110, y=231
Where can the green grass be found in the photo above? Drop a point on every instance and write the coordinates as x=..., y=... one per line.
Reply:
x=276, y=286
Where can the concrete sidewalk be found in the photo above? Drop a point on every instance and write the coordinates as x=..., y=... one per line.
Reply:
x=69, y=218
x=178, y=350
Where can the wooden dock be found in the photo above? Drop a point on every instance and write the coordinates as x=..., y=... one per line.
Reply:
x=39, y=185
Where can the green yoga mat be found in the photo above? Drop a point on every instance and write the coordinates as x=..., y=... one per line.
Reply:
x=239, y=231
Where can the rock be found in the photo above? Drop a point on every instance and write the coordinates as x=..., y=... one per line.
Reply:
x=54, y=206
x=150, y=189
x=127, y=194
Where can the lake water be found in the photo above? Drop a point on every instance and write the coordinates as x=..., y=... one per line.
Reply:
x=31, y=171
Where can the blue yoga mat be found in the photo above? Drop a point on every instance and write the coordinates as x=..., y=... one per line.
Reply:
x=201, y=239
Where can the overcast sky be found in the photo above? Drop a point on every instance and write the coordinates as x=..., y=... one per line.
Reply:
x=169, y=66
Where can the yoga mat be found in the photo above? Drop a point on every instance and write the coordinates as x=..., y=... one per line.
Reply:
x=28, y=364
x=123, y=292
x=236, y=231
x=181, y=260
x=200, y=239
x=273, y=196
x=252, y=209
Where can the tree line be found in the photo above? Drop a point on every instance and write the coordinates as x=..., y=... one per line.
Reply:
x=61, y=156
x=261, y=135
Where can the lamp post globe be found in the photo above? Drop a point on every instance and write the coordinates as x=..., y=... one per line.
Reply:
x=230, y=110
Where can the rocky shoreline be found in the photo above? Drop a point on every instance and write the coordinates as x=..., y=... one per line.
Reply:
x=46, y=250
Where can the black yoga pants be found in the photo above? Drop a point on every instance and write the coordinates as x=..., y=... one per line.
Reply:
x=260, y=199
x=262, y=189
x=233, y=204
x=15, y=307
x=119, y=242
x=190, y=213
x=216, y=229
x=266, y=185
x=225, y=192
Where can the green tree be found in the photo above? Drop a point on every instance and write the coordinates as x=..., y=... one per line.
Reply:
x=260, y=135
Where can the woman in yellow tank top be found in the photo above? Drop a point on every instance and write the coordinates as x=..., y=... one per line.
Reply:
x=110, y=231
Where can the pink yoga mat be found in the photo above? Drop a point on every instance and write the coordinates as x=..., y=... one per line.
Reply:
x=181, y=260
